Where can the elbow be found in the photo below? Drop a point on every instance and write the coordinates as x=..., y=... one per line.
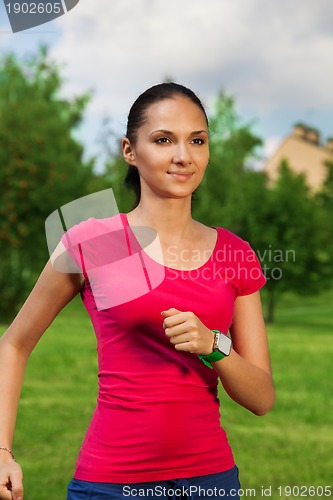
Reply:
x=260, y=412
x=265, y=406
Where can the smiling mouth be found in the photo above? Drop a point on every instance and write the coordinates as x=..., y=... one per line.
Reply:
x=181, y=174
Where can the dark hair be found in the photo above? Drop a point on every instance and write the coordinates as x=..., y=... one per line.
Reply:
x=137, y=116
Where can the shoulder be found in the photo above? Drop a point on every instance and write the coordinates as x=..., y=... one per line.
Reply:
x=91, y=228
x=239, y=261
x=83, y=242
x=227, y=237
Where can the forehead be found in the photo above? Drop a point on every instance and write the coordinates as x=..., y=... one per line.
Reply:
x=175, y=112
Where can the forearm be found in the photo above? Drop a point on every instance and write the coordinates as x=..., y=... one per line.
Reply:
x=13, y=363
x=246, y=384
x=51, y=293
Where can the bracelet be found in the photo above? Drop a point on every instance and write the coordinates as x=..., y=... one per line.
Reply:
x=9, y=451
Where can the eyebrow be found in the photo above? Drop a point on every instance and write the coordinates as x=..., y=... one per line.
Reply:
x=169, y=132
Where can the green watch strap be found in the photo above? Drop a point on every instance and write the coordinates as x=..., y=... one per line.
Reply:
x=211, y=358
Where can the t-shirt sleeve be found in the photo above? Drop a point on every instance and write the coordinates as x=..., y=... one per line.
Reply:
x=241, y=266
x=93, y=243
x=251, y=276
x=72, y=241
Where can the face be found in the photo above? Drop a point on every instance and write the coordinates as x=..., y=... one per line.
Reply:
x=171, y=150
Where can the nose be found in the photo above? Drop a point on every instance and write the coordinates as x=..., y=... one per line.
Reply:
x=182, y=155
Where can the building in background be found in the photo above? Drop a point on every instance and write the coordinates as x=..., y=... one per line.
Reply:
x=304, y=153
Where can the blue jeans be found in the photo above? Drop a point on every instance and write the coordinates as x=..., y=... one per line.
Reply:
x=212, y=486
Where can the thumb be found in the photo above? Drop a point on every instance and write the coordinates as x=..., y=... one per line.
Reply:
x=170, y=312
x=17, y=486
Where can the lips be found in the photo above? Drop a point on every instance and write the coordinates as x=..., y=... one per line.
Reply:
x=182, y=173
x=181, y=176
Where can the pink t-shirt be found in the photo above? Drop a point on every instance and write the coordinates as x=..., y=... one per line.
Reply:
x=157, y=415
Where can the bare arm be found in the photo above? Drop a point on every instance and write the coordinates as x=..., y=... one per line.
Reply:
x=51, y=293
x=246, y=374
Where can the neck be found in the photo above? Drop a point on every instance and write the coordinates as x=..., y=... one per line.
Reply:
x=166, y=216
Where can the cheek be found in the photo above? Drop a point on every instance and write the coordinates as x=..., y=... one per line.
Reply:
x=201, y=153
x=203, y=159
x=151, y=155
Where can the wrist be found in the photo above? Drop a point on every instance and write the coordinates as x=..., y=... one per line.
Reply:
x=221, y=349
x=6, y=452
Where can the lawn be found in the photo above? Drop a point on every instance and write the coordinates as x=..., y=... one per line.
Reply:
x=292, y=446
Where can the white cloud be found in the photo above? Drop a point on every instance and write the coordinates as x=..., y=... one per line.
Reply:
x=271, y=145
x=268, y=55
x=265, y=53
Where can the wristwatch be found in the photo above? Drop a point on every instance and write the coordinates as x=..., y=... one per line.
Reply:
x=221, y=349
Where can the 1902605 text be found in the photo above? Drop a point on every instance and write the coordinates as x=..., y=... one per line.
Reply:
x=34, y=8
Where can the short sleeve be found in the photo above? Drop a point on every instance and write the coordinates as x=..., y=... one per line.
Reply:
x=251, y=276
x=73, y=240
x=237, y=264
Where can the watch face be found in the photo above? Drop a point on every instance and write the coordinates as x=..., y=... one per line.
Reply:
x=224, y=344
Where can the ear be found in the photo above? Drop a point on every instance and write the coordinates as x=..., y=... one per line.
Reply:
x=128, y=152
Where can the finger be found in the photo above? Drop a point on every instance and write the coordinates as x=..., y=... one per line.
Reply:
x=179, y=339
x=185, y=347
x=170, y=312
x=179, y=319
x=175, y=330
x=176, y=319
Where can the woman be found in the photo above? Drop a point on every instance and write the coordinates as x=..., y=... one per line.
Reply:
x=161, y=348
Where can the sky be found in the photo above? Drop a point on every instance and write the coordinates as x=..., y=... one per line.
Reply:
x=274, y=58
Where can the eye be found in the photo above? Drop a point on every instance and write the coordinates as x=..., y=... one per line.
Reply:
x=198, y=141
x=162, y=140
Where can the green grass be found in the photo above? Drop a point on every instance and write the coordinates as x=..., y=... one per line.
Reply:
x=291, y=446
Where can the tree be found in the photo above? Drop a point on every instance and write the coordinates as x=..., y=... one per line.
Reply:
x=41, y=167
x=115, y=167
x=324, y=198
x=283, y=224
x=232, y=145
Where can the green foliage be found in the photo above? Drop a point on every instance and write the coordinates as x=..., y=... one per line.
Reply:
x=290, y=229
x=41, y=167
x=232, y=145
x=115, y=167
x=324, y=198
x=325, y=194
x=296, y=258
x=292, y=224
x=284, y=225
x=115, y=172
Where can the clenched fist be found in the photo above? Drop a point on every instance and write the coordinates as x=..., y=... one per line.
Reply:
x=187, y=333
x=11, y=481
